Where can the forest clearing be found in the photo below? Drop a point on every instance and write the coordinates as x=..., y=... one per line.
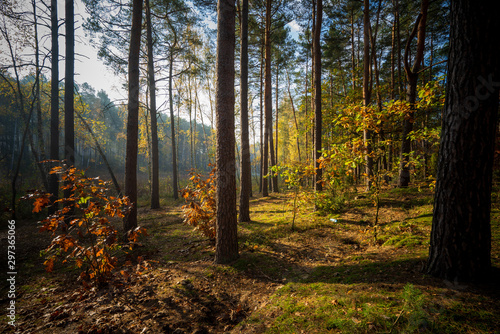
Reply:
x=324, y=277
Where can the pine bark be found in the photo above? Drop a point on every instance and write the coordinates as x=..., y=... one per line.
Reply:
x=245, y=176
x=226, y=248
x=317, y=93
x=69, y=86
x=130, y=221
x=155, y=165
x=54, y=103
x=460, y=245
x=411, y=92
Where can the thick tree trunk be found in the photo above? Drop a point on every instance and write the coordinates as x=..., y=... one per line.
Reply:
x=130, y=221
x=317, y=94
x=54, y=104
x=245, y=180
x=460, y=243
x=226, y=248
x=155, y=186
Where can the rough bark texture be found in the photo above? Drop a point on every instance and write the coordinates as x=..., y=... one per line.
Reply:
x=155, y=185
x=54, y=103
x=172, y=126
x=317, y=93
x=226, y=248
x=267, y=98
x=411, y=92
x=367, y=135
x=245, y=178
x=461, y=237
x=69, y=86
x=130, y=221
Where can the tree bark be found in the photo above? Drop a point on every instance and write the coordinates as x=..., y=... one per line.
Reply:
x=460, y=244
x=367, y=134
x=69, y=89
x=130, y=221
x=226, y=248
x=155, y=187
x=267, y=98
x=411, y=92
x=245, y=176
x=54, y=104
x=317, y=93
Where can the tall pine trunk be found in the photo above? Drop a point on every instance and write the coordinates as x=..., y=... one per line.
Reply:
x=226, y=248
x=245, y=176
x=155, y=187
x=130, y=221
x=317, y=93
x=54, y=103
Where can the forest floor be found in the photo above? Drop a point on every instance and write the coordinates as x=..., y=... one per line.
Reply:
x=329, y=275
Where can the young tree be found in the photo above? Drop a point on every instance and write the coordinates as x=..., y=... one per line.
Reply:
x=367, y=92
x=226, y=231
x=245, y=175
x=130, y=221
x=460, y=243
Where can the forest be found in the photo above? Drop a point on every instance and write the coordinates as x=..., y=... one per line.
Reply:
x=253, y=166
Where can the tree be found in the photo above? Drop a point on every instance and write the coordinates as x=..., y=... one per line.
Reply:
x=54, y=102
x=226, y=232
x=130, y=221
x=69, y=88
x=155, y=186
x=245, y=175
x=411, y=90
x=367, y=92
x=317, y=91
x=460, y=244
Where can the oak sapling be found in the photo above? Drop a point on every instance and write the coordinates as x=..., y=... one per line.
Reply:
x=83, y=236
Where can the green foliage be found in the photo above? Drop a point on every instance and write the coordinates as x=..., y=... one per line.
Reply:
x=200, y=210
x=83, y=236
x=294, y=175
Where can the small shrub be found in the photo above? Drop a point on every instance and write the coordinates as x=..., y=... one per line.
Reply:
x=83, y=236
x=200, y=210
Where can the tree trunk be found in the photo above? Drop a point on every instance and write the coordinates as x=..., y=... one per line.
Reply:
x=69, y=87
x=155, y=187
x=245, y=180
x=226, y=248
x=411, y=92
x=267, y=98
x=130, y=221
x=460, y=245
x=54, y=104
x=317, y=93
x=367, y=134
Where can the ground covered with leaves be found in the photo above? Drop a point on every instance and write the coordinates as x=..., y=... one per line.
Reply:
x=332, y=274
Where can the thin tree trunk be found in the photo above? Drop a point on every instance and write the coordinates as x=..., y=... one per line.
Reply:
x=246, y=172
x=317, y=94
x=367, y=134
x=411, y=93
x=155, y=177
x=267, y=98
